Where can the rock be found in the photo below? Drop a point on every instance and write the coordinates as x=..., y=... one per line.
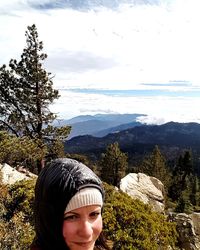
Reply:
x=11, y=175
x=188, y=238
x=148, y=189
x=196, y=222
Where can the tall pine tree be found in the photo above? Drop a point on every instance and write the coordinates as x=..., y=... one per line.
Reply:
x=26, y=91
x=184, y=180
x=155, y=165
x=113, y=165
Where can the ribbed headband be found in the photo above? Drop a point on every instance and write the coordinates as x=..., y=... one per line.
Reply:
x=85, y=197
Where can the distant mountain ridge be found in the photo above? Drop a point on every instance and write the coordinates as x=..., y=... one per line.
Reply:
x=170, y=137
x=100, y=124
x=116, y=129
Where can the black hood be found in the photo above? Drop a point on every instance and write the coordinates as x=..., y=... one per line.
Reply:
x=57, y=183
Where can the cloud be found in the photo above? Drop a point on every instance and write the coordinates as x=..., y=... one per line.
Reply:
x=97, y=111
x=116, y=45
x=169, y=84
x=159, y=109
x=150, y=42
x=84, y=5
x=78, y=61
x=48, y=4
x=6, y=7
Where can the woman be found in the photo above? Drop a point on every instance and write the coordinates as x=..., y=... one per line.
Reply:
x=68, y=207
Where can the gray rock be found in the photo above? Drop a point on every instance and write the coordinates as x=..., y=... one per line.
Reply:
x=196, y=222
x=188, y=229
x=148, y=189
x=11, y=175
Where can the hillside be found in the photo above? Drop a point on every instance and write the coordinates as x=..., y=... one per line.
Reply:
x=171, y=137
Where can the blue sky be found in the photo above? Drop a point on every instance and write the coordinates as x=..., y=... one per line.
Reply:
x=114, y=56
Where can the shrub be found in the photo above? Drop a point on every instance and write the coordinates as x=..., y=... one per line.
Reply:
x=20, y=199
x=16, y=234
x=21, y=151
x=130, y=224
x=16, y=216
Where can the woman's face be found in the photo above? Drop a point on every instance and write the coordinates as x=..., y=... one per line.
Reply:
x=82, y=227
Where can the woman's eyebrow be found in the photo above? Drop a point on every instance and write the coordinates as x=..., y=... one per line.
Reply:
x=97, y=209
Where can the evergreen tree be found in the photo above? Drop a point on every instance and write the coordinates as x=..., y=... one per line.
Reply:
x=194, y=194
x=184, y=185
x=26, y=91
x=175, y=188
x=113, y=165
x=198, y=193
x=183, y=204
x=155, y=165
x=187, y=164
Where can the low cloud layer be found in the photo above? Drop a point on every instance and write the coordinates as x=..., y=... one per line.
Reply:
x=158, y=109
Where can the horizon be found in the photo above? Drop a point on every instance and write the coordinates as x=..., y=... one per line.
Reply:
x=141, y=118
x=122, y=56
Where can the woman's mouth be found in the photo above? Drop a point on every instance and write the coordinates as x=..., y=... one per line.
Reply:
x=84, y=244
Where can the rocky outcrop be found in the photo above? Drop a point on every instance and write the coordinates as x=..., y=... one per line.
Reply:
x=151, y=191
x=188, y=228
x=196, y=221
x=148, y=189
x=11, y=175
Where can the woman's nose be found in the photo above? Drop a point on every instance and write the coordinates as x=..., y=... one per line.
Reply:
x=85, y=229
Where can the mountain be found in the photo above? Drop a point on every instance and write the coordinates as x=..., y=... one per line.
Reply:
x=116, y=129
x=171, y=137
x=80, y=118
x=99, y=124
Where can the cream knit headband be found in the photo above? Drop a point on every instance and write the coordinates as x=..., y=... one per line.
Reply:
x=85, y=197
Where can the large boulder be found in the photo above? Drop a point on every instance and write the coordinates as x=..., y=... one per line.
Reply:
x=11, y=175
x=146, y=188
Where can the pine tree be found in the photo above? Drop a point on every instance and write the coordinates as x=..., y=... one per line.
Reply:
x=194, y=187
x=26, y=91
x=113, y=165
x=187, y=164
x=184, y=180
x=155, y=165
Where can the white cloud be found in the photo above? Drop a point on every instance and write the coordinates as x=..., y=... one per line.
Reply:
x=113, y=48
x=159, y=109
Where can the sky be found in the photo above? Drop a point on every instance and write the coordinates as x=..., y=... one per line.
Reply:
x=113, y=56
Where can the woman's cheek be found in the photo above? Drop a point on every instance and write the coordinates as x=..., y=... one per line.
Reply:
x=98, y=225
x=68, y=230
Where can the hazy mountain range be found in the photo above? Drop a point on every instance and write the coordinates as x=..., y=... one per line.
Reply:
x=100, y=124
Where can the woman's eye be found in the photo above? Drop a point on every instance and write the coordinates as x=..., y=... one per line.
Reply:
x=95, y=214
x=70, y=217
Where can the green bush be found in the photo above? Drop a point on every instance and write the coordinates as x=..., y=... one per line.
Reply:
x=21, y=151
x=130, y=224
x=15, y=234
x=20, y=199
x=16, y=216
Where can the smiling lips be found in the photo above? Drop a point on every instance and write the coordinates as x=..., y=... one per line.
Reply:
x=83, y=244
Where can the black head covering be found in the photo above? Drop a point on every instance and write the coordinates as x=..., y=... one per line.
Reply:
x=57, y=183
